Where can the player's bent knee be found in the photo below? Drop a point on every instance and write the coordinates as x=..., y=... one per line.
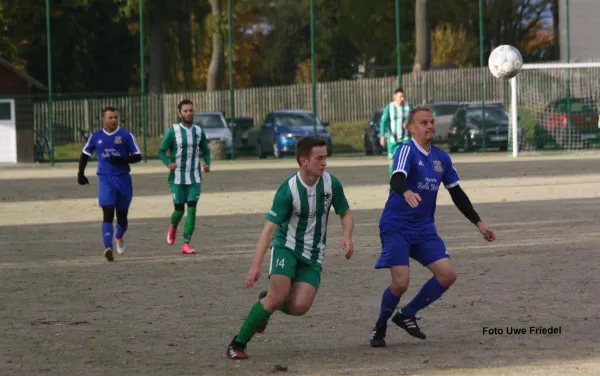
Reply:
x=192, y=204
x=108, y=213
x=298, y=308
x=179, y=207
x=447, y=278
x=400, y=275
x=277, y=293
x=444, y=272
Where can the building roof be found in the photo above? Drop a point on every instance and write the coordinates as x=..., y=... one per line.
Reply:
x=22, y=74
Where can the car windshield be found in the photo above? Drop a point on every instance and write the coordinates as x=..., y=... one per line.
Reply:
x=210, y=121
x=295, y=119
x=577, y=106
x=491, y=113
x=444, y=109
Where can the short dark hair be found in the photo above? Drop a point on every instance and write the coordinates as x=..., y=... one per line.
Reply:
x=305, y=145
x=411, y=114
x=183, y=102
x=108, y=109
x=399, y=90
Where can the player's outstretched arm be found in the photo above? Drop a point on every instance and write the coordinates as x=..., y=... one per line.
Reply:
x=464, y=205
x=205, y=151
x=83, y=160
x=384, y=124
x=166, y=145
x=264, y=241
x=348, y=229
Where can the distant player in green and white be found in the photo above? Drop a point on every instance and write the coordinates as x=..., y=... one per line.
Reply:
x=184, y=142
x=296, y=229
x=393, y=130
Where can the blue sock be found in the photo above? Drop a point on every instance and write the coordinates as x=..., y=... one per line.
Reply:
x=107, y=234
x=389, y=302
x=120, y=231
x=431, y=291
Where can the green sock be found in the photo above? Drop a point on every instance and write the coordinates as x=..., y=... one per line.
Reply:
x=176, y=217
x=283, y=309
x=391, y=169
x=257, y=316
x=190, y=224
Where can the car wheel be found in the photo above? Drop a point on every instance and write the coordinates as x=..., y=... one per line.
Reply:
x=467, y=144
x=259, y=152
x=368, y=146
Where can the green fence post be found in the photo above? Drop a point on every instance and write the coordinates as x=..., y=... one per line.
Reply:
x=50, y=104
x=482, y=69
x=569, y=104
x=313, y=62
x=398, y=54
x=143, y=84
x=231, y=89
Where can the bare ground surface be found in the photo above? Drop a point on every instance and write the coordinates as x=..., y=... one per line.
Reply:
x=66, y=311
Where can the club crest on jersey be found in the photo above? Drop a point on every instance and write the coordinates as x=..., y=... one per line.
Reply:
x=327, y=200
x=118, y=140
x=437, y=166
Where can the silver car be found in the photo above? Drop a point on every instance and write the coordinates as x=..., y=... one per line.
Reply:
x=215, y=127
x=443, y=112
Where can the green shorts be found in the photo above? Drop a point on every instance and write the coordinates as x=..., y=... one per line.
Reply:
x=183, y=193
x=391, y=148
x=285, y=262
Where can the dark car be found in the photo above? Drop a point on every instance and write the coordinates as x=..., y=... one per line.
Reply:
x=281, y=129
x=552, y=123
x=371, y=135
x=466, y=130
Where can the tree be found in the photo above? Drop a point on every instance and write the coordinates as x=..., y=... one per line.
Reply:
x=217, y=61
x=454, y=46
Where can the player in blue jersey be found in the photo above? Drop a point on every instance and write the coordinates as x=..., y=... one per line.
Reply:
x=115, y=150
x=407, y=226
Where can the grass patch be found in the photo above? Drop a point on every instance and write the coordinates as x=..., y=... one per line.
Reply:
x=347, y=137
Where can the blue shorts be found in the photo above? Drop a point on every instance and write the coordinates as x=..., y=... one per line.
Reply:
x=115, y=190
x=397, y=248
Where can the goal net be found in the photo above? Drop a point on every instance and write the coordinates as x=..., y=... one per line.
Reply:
x=557, y=108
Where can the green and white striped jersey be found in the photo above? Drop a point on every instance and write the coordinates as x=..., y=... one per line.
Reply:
x=392, y=122
x=302, y=212
x=184, y=145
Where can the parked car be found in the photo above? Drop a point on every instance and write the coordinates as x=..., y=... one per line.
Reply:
x=443, y=112
x=552, y=122
x=215, y=127
x=371, y=135
x=282, y=128
x=466, y=128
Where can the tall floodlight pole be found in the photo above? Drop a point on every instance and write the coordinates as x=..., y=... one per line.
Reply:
x=398, y=54
x=49, y=62
x=481, y=64
x=231, y=88
x=143, y=83
x=313, y=63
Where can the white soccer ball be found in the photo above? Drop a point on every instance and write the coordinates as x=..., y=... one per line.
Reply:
x=505, y=62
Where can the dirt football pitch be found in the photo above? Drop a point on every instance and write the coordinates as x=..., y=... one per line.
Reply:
x=66, y=311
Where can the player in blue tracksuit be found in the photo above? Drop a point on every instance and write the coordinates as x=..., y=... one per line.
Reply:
x=115, y=149
x=407, y=227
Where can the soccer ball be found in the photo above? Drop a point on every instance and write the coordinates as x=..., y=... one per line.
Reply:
x=505, y=62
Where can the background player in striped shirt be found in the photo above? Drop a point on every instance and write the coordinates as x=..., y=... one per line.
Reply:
x=407, y=226
x=115, y=149
x=393, y=123
x=296, y=228
x=184, y=142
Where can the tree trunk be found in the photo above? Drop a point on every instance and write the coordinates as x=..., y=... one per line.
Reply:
x=185, y=49
x=423, y=46
x=156, y=44
x=556, y=29
x=217, y=60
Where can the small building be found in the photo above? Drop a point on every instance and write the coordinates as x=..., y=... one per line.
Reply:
x=17, y=90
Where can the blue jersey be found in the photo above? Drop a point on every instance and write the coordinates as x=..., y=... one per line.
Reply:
x=424, y=172
x=120, y=143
